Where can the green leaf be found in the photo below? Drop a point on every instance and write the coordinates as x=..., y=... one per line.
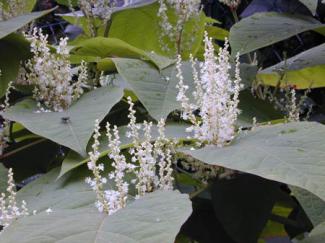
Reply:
x=217, y=32
x=156, y=217
x=14, y=49
x=304, y=70
x=3, y=178
x=264, y=29
x=203, y=225
x=130, y=25
x=70, y=192
x=156, y=90
x=290, y=153
x=312, y=205
x=111, y=47
x=9, y=26
x=251, y=107
x=243, y=205
x=74, y=133
x=74, y=160
x=311, y=5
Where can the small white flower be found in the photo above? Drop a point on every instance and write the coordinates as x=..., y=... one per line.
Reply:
x=51, y=73
x=233, y=4
x=216, y=97
x=48, y=211
x=184, y=11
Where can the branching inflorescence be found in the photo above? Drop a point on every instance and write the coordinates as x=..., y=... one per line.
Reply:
x=216, y=96
x=5, y=126
x=184, y=11
x=150, y=164
x=9, y=210
x=51, y=74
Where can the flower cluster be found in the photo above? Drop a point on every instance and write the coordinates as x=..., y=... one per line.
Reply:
x=184, y=10
x=149, y=156
x=233, y=4
x=9, y=210
x=150, y=164
x=293, y=108
x=51, y=74
x=11, y=8
x=102, y=9
x=5, y=126
x=216, y=96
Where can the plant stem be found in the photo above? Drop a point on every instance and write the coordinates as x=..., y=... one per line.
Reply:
x=22, y=148
x=107, y=27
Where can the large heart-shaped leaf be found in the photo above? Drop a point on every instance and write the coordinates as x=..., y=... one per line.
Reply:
x=156, y=217
x=291, y=153
x=264, y=29
x=11, y=25
x=73, y=127
x=304, y=70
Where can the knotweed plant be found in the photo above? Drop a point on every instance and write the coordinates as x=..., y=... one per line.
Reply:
x=51, y=74
x=9, y=210
x=215, y=97
x=5, y=126
x=173, y=31
x=150, y=164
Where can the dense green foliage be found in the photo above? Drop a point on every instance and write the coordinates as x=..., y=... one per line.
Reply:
x=278, y=186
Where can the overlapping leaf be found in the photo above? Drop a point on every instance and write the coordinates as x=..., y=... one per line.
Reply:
x=129, y=25
x=304, y=70
x=104, y=48
x=9, y=26
x=291, y=153
x=73, y=127
x=156, y=217
x=264, y=29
